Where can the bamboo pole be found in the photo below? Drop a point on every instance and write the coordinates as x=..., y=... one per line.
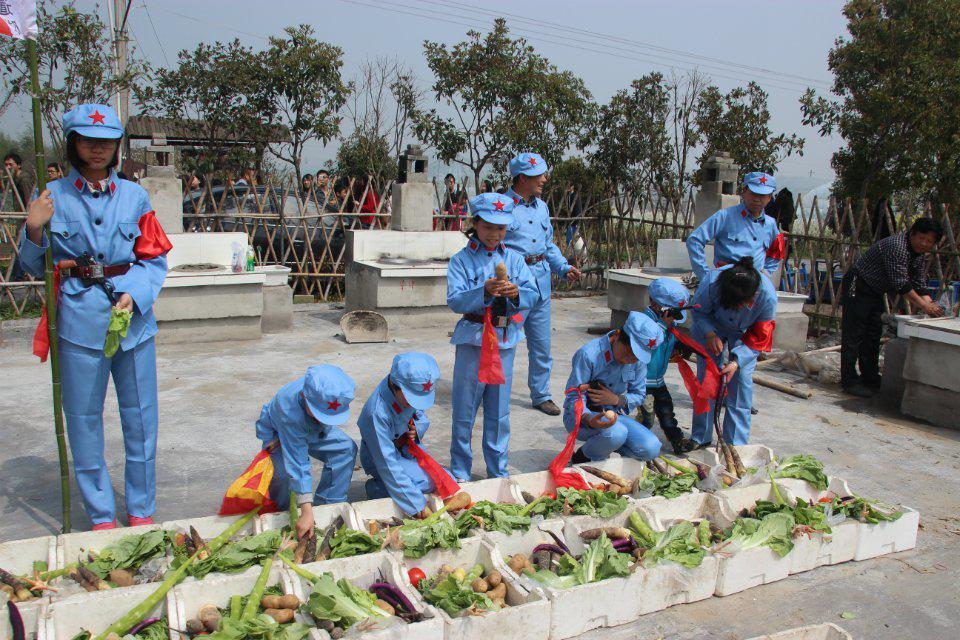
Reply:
x=50, y=295
x=779, y=386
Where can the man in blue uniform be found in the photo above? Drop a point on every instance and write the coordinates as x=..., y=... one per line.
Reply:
x=614, y=367
x=531, y=235
x=395, y=413
x=741, y=230
x=487, y=334
x=111, y=253
x=305, y=417
x=736, y=307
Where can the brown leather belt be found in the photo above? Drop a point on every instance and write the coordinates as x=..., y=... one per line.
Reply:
x=498, y=321
x=533, y=259
x=95, y=271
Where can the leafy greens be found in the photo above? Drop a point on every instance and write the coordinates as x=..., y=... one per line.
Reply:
x=491, y=516
x=598, y=562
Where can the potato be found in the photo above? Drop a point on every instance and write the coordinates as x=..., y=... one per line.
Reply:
x=271, y=602
x=289, y=601
x=282, y=616
x=24, y=595
x=480, y=585
x=386, y=606
x=120, y=577
x=499, y=592
x=210, y=617
x=337, y=633
x=195, y=627
x=326, y=625
x=517, y=562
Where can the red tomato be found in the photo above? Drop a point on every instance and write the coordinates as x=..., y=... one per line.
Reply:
x=416, y=575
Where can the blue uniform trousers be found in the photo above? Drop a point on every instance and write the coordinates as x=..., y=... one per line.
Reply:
x=338, y=453
x=85, y=373
x=468, y=394
x=536, y=326
x=626, y=436
x=736, y=421
x=375, y=486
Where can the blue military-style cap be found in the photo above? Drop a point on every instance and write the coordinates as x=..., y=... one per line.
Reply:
x=667, y=292
x=644, y=333
x=328, y=392
x=416, y=374
x=760, y=183
x=495, y=208
x=93, y=121
x=529, y=164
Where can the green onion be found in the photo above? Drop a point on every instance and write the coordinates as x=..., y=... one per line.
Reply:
x=253, y=602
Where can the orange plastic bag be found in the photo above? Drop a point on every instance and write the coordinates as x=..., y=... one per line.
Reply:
x=252, y=488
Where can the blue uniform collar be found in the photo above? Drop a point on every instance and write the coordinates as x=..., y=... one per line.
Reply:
x=476, y=246
x=606, y=350
x=510, y=193
x=394, y=408
x=653, y=315
x=80, y=183
x=745, y=214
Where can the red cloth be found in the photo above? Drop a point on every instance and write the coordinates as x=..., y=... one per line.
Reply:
x=778, y=250
x=370, y=205
x=700, y=392
x=444, y=483
x=152, y=241
x=41, y=336
x=565, y=478
x=759, y=337
x=491, y=369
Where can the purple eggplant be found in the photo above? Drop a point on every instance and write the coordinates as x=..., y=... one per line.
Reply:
x=546, y=546
x=391, y=594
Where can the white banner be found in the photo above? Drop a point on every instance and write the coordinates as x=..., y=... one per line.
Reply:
x=18, y=19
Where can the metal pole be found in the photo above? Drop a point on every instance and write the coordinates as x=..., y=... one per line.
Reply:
x=50, y=297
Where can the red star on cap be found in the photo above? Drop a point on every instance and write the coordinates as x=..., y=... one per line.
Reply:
x=533, y=162
x=97, y=117
x=427, y=385
x=498, y=205
x=333, y=405
x=763, y=179
x=652, y=343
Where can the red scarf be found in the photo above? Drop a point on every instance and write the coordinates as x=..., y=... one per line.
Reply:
x=700, y=392
x=445, y=485
x=565, y=478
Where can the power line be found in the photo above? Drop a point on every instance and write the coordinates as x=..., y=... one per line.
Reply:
x=155, y=34
x=432, y=16
x=207, y=23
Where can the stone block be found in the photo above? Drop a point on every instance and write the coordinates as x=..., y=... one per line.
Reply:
x=708, y=204
x=413, y=206
x=376, y=244
x=277, y=309
x=933, y=404
x=894, y=360
x=369, y=288
x=790, y=333
x=166, y=198
x=207, y=302
x=933, y=363
x=626, y=297
x=209, y=330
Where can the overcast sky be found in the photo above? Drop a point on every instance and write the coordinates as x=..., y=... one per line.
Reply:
x=782, y=44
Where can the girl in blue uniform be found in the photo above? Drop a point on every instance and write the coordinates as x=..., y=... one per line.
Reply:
x=110, y=252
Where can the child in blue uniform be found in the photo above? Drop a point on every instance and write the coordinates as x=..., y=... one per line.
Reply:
x=305, y=418
x=474, y=291
x=614, y=368
x=111, y=253
x=395, y=413
x=736, y=311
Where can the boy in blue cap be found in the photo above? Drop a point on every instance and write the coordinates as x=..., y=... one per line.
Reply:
x=489, y=331
x=111, y=253
x=614, y=368
x=531, y=235
x=305, y=418
x=741, y=230
x=668, y=299
x=395, y=413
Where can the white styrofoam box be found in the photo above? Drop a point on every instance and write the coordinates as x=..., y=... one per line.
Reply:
x=523, y=542
x=63, y=619
x=661, y=513
x=210, y=526
x=708, y=456
x=31, y=613
x=323, y=517
x=749, y=568
x=664, y=584
x=538, y=483
x=385, y=509
x=827, y=631
x=362, y=571
x=187, y=598
x=521, y=620
x=492, y=489
x=18, y=556
x=754, y=455
x=888, y=537
x=628, y=468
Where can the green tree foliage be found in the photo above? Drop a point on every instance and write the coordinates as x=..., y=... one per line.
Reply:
x=305, y=89
x=576, y=188
x=739, y=122
x=499, y=96
x=364, y=155
x=898, y=106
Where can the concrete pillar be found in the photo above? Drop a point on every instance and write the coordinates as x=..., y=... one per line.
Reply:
x=413, y=205
x=719, y=178
x=166, y=198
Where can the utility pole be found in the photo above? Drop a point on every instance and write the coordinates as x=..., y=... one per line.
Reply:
x=119, y=9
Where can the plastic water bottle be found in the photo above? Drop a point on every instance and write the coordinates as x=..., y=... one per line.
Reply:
x=237, y=258
x=251, y=256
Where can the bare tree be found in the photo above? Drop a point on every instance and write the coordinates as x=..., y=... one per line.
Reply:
x=685, y=95
x=384, y=97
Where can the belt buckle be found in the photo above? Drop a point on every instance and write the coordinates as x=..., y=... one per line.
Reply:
x=96, y=271
x=501, y=322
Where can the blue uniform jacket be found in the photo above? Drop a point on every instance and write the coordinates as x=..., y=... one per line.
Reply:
x=105, y=225
x=735, y=234
x=594, y=361
x=731, y=325
x=469, y=270
x=531, y=234
x=285, y=417
x=660, y=359
x=381, y=422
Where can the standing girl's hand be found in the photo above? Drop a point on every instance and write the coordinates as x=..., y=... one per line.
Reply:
x=38, y=214
x=125, y=303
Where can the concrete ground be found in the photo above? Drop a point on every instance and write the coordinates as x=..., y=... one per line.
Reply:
x=211, y=394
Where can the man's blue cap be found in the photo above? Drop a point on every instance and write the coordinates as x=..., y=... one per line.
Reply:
x=667, y=292
x=93, y=121
x=416, y=374
x=495, y=208
x=529, y=164
x=645, y=335
x=328, y=392
x=760, y=183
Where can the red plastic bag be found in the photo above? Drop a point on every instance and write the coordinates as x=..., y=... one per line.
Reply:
x=565, y=478
x=491, y=369
x=700, y=392
x=443, y=482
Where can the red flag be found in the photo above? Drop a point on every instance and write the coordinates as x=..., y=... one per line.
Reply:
x=491, y=369
x=700, y=392
x=565, y=478
x=251, y=489
x=445, y=485
x=41, y=336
